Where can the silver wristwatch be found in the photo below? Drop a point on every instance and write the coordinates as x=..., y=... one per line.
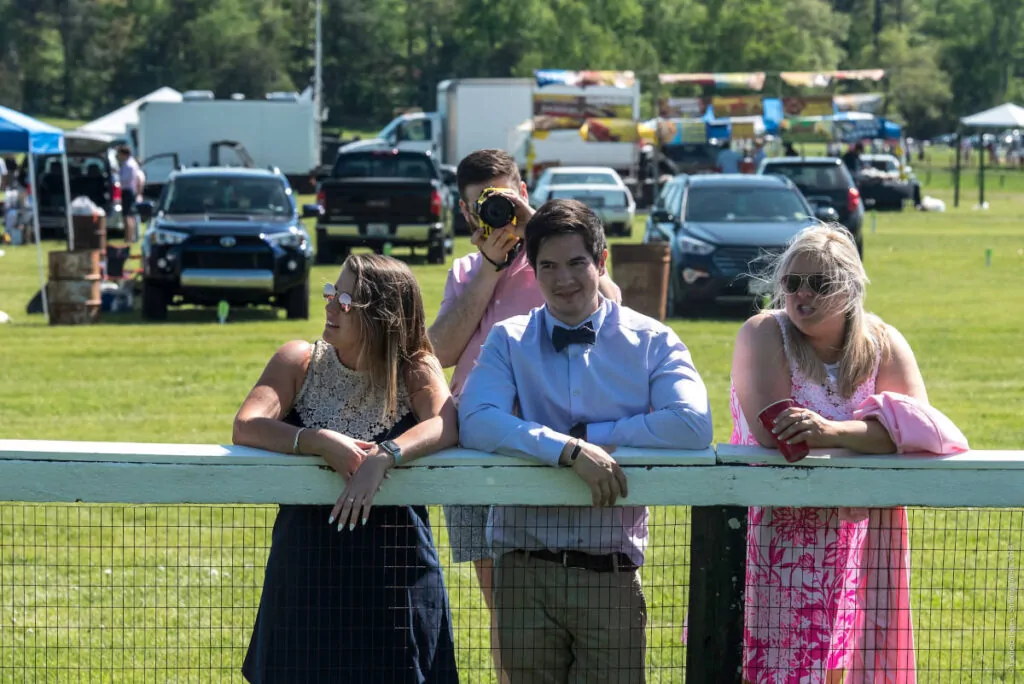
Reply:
x=393, y=449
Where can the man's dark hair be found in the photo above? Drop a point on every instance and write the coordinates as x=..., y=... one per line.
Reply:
x=124, y=149
x=484, y=165
x=565, y=217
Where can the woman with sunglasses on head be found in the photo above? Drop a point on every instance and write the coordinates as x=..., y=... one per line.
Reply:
x=354, y=593
x=817, y=609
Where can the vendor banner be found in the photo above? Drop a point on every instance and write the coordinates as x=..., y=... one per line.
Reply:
x=822, y=79
x=741, y=105
x=579, y=108
x=748, y=80
x=617, y=79
x=679, y=131
x=610, y=130
x=809, y=105
x=869, y=103
x=681, y=107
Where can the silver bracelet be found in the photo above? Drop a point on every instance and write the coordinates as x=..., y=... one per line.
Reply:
x=295, y=445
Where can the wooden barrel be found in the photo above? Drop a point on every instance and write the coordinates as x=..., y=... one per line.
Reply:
x=642, y=273
x=90, y=233
x=75, y=265
x=73, y=292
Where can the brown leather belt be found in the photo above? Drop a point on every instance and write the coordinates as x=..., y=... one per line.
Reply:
x=612, y=562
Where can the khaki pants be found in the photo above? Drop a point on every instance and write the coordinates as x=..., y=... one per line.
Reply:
x=561, y=625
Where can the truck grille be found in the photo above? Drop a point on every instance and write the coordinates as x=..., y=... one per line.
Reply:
x=735, y=261
x=228, y=259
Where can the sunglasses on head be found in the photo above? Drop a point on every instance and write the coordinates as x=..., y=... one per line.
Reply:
x=343, y=299
x=816, y=282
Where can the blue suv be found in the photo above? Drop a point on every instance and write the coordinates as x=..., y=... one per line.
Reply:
x=722, y=228
x=232, y=234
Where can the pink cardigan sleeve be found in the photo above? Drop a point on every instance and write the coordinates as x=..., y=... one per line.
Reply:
x=913, y=426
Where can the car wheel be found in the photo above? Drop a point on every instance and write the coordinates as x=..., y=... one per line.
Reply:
x=626, y=230
x=297, y=302
x=436, y=254
x=154, y=301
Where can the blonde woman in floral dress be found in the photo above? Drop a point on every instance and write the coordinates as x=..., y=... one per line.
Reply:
x=827, y=589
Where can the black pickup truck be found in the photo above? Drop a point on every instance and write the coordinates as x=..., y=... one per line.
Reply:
x=384, y=197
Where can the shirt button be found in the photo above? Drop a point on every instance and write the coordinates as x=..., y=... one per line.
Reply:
x=575, y=393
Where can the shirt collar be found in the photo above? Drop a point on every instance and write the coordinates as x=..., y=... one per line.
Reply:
x=596, y=319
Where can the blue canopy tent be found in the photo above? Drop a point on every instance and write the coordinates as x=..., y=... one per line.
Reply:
x=20, y=133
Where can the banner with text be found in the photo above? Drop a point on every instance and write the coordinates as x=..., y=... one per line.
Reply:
x=740, y=105
x=569, y=112
x=808, y=105
x=681, y=107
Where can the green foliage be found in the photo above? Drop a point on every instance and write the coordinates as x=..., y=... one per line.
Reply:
x=82, y=58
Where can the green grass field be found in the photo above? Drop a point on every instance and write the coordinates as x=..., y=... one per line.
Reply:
x=182, y=381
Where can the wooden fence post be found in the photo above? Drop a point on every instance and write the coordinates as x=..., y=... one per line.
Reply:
x=718, y=547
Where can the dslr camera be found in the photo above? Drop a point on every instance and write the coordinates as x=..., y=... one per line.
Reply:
x=495, y=210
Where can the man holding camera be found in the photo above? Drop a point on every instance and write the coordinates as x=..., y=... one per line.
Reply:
x=485, y=288
x=562, y=386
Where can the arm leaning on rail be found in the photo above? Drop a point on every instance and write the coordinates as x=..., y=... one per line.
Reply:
x=259, y=422
x=436, y=429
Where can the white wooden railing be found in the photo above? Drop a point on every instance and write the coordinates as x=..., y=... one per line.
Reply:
x=129, y=472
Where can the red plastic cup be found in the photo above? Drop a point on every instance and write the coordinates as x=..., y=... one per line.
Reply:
x=767, y=416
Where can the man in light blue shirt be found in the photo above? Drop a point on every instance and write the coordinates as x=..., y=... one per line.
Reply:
x=563, y=385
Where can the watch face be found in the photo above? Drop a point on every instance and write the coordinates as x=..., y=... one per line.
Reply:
x=390, y=447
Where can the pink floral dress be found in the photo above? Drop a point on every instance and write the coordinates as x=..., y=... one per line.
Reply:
x=826, y=588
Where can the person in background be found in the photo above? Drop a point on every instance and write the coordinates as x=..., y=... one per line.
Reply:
x=789, y=150
x=759, y=153
x=852, y=158
x=494, y=283
x=131, y=188
x=565, y=385
x=354, y=594
x=729, y=159
x=820, y=348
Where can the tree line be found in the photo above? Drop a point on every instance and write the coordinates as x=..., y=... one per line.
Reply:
x=83, y=58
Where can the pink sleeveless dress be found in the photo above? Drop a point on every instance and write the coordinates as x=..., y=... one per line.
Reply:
x=826, y=588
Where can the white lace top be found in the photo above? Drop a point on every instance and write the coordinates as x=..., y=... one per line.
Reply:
x=335, y=397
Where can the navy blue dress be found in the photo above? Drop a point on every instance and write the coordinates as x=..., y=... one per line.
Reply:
x=367, y=605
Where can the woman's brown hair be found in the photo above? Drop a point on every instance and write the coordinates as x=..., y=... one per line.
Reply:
x=392, y=323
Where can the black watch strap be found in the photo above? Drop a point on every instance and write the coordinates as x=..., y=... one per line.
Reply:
x=509, y=258
x=575, y=453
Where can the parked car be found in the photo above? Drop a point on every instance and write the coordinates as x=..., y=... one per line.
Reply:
x=886, y=184
x=722, y=228
x=226, y=234
x=824, y=181
x=384, y=196
x=604, y=176
x=614, y=206
x=93, y=172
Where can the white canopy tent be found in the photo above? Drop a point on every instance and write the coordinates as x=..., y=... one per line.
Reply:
x=1004, y=116
x=20, y=133
x=116, y=123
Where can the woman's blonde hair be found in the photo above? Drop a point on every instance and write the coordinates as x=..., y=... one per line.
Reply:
x=865, y=339
x=392, y=324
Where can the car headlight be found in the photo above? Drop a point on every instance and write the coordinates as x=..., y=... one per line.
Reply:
x=691, y=245
x=162, y=236
x=294, y=237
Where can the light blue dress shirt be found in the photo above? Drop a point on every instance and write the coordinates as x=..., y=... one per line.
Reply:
x=635, y=387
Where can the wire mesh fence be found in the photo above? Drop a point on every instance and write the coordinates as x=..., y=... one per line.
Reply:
x=171, y=593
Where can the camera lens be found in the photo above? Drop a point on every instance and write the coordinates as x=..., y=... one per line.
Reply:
x=497, y=211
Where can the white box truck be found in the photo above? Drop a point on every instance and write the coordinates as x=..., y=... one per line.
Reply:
x=281, y=133
x=478, y=113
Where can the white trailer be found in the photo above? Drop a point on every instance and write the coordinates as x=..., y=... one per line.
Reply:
x=274, y=133
x=478, y=113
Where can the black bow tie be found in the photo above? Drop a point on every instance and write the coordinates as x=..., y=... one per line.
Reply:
x=563, y=337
